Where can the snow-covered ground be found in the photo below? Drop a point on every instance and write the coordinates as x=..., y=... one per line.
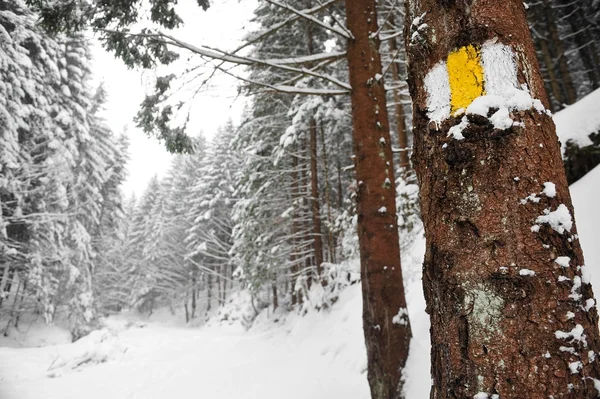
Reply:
x=577, y=121
x=319, y=355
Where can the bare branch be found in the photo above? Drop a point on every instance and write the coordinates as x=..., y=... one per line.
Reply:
x=287, y=89
x=302, y=13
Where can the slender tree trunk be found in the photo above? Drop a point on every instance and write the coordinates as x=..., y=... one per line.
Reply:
x=385, y=321
x=315, y=207
x=331, y=243
x=13, y=311
x=9, y=275
x=563, y=67
x=550, y=70
x=314, y=173
x=209, y=291
x=398, y=108
x=586, y=47
x=512, y=313
x=306, y=224
x=3, y=282
x=20, y=307
x=295, y=229
x=194, y=290
x=275, y=298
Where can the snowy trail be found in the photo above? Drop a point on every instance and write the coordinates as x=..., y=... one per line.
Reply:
x=318, y=356
x=307, y=358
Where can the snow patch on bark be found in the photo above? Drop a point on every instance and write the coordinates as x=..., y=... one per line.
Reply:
x=559, y=220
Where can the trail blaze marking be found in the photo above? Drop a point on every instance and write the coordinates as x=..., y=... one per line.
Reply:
x=471, y=72
x=465, y=75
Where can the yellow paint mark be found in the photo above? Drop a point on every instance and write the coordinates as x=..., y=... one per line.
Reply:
x=466, y=77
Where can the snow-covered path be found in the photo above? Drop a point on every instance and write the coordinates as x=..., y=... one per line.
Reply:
x=310, y=357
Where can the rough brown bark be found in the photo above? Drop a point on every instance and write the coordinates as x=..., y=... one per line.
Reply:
x=383, y=293
x=495, y=330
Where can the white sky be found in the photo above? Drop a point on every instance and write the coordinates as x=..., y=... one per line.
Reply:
x=223, y=25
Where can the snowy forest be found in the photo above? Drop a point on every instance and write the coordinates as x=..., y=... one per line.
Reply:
x=393, y=216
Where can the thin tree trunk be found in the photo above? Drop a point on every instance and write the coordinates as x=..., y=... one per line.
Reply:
x=10, y=275
x=275, y=298
x=385, y=322
x=550, y=70
x=586, y=47
x=295, y=229
x=3, y=282
x=331, y=246
x=314, y=174
x=310, y=260
x=511, y=309
x=209, y=291
x=563, y=67
x=340, y=198
x=219, y=288
x=398, y=108
x=20, y=307
x=224, y=272
x=13, y=310
x=194, y=290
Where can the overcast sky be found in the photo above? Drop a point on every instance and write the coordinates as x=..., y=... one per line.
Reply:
x=223, y=26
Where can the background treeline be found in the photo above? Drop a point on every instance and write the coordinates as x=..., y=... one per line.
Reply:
x=267, y=206
x=60, y=172
x=566, y=34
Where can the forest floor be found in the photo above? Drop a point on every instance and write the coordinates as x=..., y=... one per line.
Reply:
x=318, y=355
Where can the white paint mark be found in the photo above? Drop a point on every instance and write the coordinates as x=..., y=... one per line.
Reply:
x=438, y=93
x=499, y=68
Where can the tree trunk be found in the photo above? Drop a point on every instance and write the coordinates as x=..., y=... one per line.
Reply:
x=398, y=107
x=551, y=75
x=385, y=321
x=315, y=207
x=209, y=291
x=512, y=313
x=331, y=241
x=295, y=229
x=586, y=47
x=3, y=282
x=275, y=298
x=194, y=290
x=563, y=67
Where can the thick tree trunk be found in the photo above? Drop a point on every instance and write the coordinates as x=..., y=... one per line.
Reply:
x=385, y=320
x=512, y=311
